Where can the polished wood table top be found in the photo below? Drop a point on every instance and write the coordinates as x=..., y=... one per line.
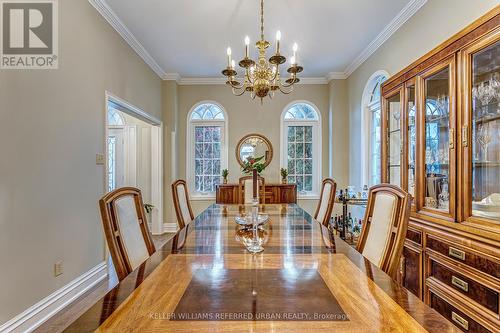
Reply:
x=306, y=279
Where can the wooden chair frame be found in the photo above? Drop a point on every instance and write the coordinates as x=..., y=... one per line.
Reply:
x=262, y=189
x=180, y=219
x=394, y=248
x=107, y=205
x=331, y=201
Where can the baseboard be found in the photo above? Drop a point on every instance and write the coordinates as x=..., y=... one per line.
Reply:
x=37, y=314
x=169, y=227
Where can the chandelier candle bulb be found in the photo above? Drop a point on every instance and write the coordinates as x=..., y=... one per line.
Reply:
x=295, y=48
x=228, y=57
x=247, y=46
x=278, y=38
x=232, y=64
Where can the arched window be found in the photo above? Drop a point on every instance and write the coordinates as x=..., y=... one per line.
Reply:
x=301, y=146
x=115, y=118
x=372, y=123
x=207, y=148
x=434, y=111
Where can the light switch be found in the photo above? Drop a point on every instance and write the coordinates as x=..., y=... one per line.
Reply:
x=58, y=269
x=99, y=159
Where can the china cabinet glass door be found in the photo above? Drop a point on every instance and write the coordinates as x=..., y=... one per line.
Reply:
x=394, y=138
x=411, y=139
x=483, y=115
x=439, y=139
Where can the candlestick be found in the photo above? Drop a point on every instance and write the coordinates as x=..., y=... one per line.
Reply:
x=254, y=183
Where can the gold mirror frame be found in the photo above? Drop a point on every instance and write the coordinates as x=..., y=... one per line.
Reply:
x=259, y=136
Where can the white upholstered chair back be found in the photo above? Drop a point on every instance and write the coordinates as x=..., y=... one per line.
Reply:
x=246, y=190
x=326, y=201
x=384, y=228
x=128, y=223
x=125, y=226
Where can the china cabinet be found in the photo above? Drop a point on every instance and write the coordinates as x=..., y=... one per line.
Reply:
x=441, y=143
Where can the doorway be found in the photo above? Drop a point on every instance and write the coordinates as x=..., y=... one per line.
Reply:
x=134, y=155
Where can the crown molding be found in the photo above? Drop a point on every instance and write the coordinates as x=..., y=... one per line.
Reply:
x=336, y=76
x=109, y=15
x=404, y=15
x=171, y=77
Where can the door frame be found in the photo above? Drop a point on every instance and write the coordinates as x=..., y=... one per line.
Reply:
x=156, y=156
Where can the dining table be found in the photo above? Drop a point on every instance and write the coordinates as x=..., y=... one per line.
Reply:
x=307, y=279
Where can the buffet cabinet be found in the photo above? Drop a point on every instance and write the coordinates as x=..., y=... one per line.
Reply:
x=274, y=194
x=440, y=124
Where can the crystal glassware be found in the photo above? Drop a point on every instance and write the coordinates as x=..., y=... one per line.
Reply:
x=255, y=245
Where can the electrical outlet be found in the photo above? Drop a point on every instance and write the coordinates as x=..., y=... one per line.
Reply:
x=58, y=268
x=99, y=159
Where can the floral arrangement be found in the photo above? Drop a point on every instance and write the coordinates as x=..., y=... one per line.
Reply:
x=284, y=175
x=225, y=173
x=252, y=163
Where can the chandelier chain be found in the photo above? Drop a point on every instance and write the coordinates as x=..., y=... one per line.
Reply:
x=262, y=19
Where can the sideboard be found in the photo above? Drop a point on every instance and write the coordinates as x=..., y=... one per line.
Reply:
x=275, y=194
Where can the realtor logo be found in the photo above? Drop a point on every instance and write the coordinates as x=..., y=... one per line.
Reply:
x=28, y=35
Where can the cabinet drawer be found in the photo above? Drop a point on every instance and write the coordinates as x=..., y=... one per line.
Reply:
x=457, y=317
x=464, y=256
x=472, y=289
x=412, y=270
x=414, y=236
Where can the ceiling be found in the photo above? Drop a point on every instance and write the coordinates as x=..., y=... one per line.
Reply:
x=188, y=38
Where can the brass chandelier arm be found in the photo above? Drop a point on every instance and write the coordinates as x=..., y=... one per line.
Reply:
x=249, y=79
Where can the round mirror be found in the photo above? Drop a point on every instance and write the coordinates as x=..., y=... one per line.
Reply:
x=254, y=146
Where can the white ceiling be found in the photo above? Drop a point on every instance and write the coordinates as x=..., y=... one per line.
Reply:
x=190, y=37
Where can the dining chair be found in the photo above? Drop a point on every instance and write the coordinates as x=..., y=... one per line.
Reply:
x=182, y=205
x=126, y=229
x=326, y=201
x=183, y=211
x=245, y=189
x=384, y=230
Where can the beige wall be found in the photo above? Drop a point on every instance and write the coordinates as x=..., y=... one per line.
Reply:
x=435, y=22
x=51, y=127
x=247, y=116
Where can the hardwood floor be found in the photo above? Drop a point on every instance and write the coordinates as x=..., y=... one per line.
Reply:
x=59, y=322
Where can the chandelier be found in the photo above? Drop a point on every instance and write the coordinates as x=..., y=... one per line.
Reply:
x=261, y=78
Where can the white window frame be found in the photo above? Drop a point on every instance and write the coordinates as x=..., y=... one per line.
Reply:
x=372, y=108
x=367, y=107
x=190, y=152
x=317, y=146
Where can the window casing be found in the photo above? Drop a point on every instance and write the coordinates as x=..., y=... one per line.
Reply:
x=372, y=128
x=207, y=149
x=301, y=147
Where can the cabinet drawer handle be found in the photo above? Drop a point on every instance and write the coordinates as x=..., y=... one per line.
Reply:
x=456, y=253
x=452, y=138
x=460, y=321
x=459, y=283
